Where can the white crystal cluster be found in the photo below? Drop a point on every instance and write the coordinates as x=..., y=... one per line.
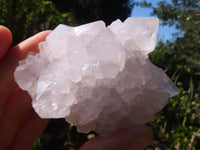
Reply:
x=96, y=77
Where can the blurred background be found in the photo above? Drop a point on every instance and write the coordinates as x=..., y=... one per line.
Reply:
x=177, y=126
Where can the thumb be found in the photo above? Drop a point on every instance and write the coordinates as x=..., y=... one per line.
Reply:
x=136, y=137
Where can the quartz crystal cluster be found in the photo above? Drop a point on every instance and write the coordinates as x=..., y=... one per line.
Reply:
x=96, y=77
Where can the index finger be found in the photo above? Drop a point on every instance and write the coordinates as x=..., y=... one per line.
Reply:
x=10, y=61
x=5, y=40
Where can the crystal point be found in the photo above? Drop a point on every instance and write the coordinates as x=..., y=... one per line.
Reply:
x=96, y=77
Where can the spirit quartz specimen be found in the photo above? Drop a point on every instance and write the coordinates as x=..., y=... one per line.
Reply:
x=98, y=78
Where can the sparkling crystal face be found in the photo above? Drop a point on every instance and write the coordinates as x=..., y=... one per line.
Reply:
x=96, y=77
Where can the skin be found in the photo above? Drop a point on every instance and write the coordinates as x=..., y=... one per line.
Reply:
x=20, y=126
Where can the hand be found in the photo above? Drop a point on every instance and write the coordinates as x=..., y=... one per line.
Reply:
x=20, y=126
x=136, y=137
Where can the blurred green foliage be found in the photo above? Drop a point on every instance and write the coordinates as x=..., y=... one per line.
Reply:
x=178, y=124
x=91, y=10
x=59, y=135
x=27, y=17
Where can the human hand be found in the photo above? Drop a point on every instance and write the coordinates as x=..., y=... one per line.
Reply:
x=20, y=126
x=136, y=137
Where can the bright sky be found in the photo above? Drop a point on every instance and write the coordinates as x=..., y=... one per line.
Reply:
x=164, y=32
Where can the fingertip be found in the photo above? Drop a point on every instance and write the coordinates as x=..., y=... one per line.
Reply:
x=135, y=137
x=30, y=44
x=143, y=140
x=5, y=40
x=33, y=41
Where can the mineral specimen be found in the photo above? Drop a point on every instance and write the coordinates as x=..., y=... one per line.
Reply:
x=96, y=77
